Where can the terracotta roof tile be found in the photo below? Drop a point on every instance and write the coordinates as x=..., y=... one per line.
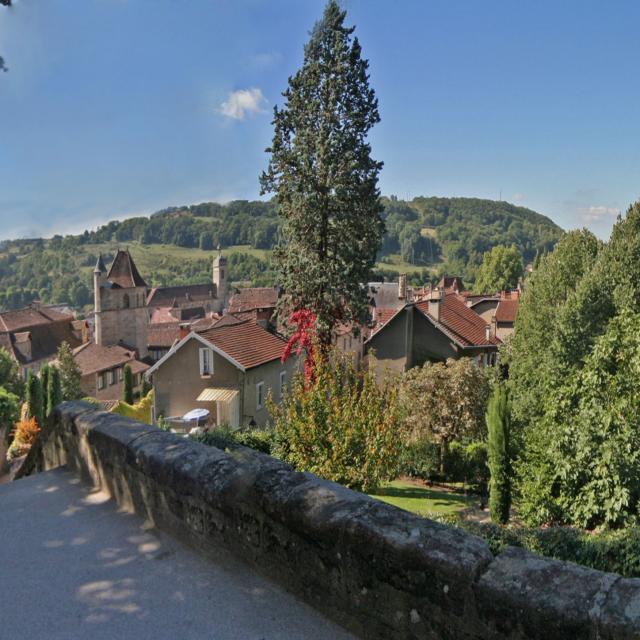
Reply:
x=253, y=298
x=92, y=358
x=246, y=342
x=167, y=296
x=124, y=273
x=382, y=317
x=160, y=336
x=460, y=322
x=36, y=333
x=507, y=310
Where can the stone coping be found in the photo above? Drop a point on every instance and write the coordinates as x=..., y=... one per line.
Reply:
x=378, y=570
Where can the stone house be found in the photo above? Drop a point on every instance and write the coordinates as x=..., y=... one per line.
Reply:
x=435, y=329
x=33, y=335
x=124, y=303
x=102, y=369
x=228, y=369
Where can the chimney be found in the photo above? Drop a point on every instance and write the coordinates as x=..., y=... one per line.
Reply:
x=402, y=286
x=185, y=330
x=487, y=332
x=494, y=327
x=435, y=301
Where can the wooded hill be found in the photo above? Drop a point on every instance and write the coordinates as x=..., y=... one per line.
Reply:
x=425, y=237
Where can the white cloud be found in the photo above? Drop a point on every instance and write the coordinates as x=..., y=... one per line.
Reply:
x=243, y=102
x=597, y=213
x=518, y=197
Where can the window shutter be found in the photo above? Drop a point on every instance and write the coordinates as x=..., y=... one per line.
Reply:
x=201, y=352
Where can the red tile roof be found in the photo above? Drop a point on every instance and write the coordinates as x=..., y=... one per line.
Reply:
x=124, y=273
x=23, y=319
x=92, y=358
x=246, y=342
x=253, y=298
x=160, y=336
x=507, y=310
x=381, y=317
x=36, y=333
x=462, y=324
x=167, y=296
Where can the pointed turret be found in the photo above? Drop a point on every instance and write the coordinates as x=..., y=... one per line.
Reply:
x=100, y=268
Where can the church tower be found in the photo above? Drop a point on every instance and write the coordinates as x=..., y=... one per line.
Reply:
x=220, y=279
x=121, y=315
x=99, y=281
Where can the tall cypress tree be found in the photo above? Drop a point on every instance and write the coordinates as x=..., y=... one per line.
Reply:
x=35, y=398
x=325, y=180
x=54, y=389
x=127, y=390
x=498, y=424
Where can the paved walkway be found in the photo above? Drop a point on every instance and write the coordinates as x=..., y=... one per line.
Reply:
x=73, y=566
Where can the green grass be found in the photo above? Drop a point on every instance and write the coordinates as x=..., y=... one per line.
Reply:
x=422, y=500
x=395, y=263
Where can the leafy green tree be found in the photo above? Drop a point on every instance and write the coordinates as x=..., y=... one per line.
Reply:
x=9, y=376
x=9, y=413
x=70, y=374
x=498, y=455
x=206, y=241
x=127, y=388
x=35, y=397
x=54, y=389
x=529, y=357
x=445, y=402
x=500, y=269
x=580, y=460
x=340, y=425
x=325, y=179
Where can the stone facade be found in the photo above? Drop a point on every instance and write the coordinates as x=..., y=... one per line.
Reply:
x=123, y=305
x=380, y=571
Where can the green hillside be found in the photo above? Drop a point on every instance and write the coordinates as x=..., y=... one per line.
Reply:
x=425, y=237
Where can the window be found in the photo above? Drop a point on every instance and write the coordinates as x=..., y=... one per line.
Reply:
x=101, y=384
x=260, y=395
x=206, y=362
x=125, y=301
x=112, y=376
x=283, y=382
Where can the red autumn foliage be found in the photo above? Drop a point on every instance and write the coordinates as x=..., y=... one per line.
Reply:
x=303, y=340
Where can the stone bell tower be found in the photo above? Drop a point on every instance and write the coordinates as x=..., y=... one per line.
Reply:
x=220, y=279
x=121, y=314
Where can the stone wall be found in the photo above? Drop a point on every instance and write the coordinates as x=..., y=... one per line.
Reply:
x=380, y=571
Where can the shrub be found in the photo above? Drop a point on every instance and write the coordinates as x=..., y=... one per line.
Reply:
x=338, y=424
x=612, y=551
x=420, y=459
x=224, y=437
x=140, y=411
x=24, y=436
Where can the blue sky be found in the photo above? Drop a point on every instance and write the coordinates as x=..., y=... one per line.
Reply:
x=114, y=108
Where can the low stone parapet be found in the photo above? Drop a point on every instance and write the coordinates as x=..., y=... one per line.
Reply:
x=378, y=570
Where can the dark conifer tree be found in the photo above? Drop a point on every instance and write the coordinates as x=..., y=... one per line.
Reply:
x=127, y=391
x=498, y=425
x=325, y=179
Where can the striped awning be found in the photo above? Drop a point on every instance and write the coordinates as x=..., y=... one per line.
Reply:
x=217, y=394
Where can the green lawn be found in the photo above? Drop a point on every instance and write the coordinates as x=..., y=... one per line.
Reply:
x=422, y=500
x=395, y=263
